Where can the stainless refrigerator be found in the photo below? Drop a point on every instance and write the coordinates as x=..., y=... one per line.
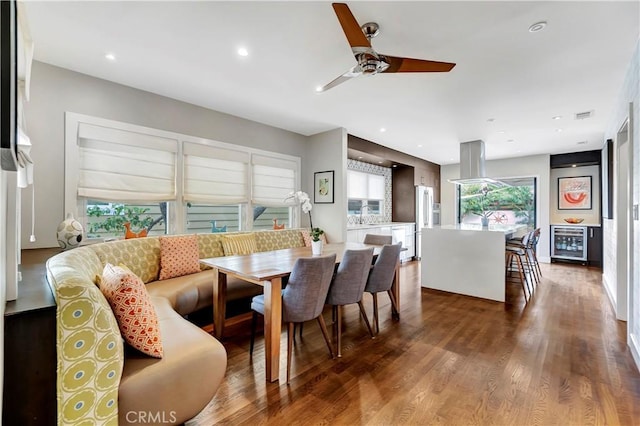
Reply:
x=424, y=214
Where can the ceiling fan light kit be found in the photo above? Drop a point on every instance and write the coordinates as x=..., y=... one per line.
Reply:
x=370, y=62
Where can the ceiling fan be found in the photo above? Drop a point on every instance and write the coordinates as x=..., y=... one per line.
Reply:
x=369, y=61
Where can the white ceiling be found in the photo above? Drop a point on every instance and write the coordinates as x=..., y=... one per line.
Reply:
x=188, y=51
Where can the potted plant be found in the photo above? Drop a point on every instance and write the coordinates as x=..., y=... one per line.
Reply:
x=316, y=242
x=484, y=214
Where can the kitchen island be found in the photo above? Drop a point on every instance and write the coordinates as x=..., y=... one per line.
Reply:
x=467, y=259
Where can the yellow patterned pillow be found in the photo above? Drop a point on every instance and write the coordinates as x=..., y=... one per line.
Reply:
x=239, y=244
x=178, y=256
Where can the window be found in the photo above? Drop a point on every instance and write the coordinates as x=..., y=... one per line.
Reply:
x=263, y=217
x=202, y=217
x=366, y=193
x=107, y=219
x=514, y=204
x=118, y=172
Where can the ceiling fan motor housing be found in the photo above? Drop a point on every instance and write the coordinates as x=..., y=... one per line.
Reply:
x=369, y=61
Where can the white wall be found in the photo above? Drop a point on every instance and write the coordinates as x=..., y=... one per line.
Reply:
x=629, y=93
x=591, y=217
x=328, y=151
x=534, y=166
x=56, y=90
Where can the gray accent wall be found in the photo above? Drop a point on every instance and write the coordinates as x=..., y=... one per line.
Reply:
x=55, y=91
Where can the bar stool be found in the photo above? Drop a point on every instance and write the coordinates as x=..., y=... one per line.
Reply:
x=518, y=253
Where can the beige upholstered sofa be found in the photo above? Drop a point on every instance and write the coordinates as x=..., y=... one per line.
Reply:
x=100, y=381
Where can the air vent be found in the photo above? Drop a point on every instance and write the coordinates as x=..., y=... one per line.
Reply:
x=583, y=115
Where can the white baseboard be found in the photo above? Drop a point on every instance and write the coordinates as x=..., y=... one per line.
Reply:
x=634, y=345
x=542, y=259
x=610, y=296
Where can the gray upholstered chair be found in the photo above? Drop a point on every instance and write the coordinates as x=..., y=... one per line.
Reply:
x=347, y=287
x=381, y=277
x=303, y=298
x=377, y=239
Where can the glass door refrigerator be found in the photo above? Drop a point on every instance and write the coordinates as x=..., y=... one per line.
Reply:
x=569, y=242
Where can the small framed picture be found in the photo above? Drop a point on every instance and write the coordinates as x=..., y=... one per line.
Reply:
x=323, y=187
x=574, y=193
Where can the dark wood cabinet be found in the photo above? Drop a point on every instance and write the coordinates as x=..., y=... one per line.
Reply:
x=29, y=393
x=594, y=246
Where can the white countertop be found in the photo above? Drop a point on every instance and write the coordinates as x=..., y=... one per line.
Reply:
x=493, y=227
x=378, y=225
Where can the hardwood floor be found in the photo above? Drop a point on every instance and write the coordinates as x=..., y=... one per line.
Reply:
x=451, y=360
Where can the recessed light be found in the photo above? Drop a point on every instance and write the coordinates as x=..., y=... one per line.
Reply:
x=318, y=89
x=243, y=51
x=558, y=130
x=395, y=165
x=501, y=131
x=450, y=159
x=538, y=26
x=557, y=117
x=379, y=162
x=420, y=146
x=359, y=158
x=574, y=165
x=382, y=129
x=583, y=143
x=110, y=56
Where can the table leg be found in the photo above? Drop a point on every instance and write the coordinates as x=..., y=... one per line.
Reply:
x=272, y=327
x=219, y=302
x=395, y=289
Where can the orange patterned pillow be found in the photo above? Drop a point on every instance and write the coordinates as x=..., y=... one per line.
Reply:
x=132, y=307
x=178, y=256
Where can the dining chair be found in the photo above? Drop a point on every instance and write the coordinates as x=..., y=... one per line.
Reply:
x=302, y=300
x=347, y=287
x=377, y=239
x=381, y=277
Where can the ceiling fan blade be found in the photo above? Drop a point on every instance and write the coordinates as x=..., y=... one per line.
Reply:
x=350, y=26
x=344, y=77
x=416, y=65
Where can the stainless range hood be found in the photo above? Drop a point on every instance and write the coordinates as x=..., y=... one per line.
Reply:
x=472, y=165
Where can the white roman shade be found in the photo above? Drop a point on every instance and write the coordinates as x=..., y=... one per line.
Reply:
x=365, y=186
x=125, y=165
x=215, y=175
x=376, y=187
x=272, y=180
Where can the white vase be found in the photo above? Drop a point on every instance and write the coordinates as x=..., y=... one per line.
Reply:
x=69, y=233
x=316, y=247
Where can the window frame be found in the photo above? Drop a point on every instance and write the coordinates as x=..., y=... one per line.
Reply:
x=177, y=208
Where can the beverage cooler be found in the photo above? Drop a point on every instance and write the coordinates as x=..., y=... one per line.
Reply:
x=569, y=242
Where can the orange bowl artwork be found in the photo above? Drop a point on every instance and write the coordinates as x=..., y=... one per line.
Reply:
x=573, y=220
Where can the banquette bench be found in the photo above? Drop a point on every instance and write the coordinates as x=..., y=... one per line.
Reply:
x=100, y=379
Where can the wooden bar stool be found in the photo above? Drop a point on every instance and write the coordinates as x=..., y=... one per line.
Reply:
x=518, y=254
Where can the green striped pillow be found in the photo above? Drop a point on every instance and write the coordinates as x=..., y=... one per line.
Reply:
x=239, y=244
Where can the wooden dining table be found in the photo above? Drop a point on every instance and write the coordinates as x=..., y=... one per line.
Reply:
x=267, y=270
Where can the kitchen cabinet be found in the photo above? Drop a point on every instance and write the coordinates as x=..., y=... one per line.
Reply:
x=594, y=246
x=404, y=232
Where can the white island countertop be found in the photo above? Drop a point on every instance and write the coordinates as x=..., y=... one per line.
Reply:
x=493, y=227
x=466, y=258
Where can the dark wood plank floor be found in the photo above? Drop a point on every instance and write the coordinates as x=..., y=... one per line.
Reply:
x=451, y=360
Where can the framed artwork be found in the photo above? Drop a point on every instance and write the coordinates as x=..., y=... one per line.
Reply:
x=574, y=193
x=323, y=187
